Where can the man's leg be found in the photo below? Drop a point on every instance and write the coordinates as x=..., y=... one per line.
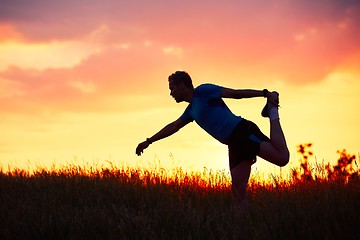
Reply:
x=276, y=150
x=240, y=176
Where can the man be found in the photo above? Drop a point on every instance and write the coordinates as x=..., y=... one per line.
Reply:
x=244, y=139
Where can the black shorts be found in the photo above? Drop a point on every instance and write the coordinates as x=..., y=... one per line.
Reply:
x=244, y=142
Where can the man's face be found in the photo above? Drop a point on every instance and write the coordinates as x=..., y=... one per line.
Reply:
x=176, y=91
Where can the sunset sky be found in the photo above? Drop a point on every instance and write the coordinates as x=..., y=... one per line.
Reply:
x=86, y=81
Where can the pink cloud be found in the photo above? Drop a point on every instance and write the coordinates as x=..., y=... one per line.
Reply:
x=8, y=32
x=87, y=86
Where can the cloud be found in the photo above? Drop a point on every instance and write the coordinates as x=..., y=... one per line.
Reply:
x=84, y=87
x=9, y=33
x=172, y=50
x=101, y=82
x=44, y=55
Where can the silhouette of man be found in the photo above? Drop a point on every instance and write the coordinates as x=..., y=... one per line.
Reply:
x=244, y=139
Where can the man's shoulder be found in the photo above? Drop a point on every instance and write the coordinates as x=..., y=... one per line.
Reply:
x=207, y=85
x=206, y=89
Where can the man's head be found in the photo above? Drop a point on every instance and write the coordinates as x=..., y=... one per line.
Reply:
x=181, y=77
x=181, y=86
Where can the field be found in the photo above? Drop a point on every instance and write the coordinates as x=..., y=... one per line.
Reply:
x=316, y=202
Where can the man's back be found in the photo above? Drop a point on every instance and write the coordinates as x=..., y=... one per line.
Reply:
x=210, y=112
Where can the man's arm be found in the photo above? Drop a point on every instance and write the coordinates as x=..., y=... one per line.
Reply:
x=167, y=131
x=242, y=93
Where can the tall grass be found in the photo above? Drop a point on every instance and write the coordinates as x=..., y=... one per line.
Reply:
x=316, y=202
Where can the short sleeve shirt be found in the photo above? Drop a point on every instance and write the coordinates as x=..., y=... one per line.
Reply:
x=210, y=112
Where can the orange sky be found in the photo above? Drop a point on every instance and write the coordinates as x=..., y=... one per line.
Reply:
x=87, y=80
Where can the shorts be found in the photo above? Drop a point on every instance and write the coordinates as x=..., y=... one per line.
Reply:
x=244, y=142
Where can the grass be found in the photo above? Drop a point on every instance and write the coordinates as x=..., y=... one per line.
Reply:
x=316, y=202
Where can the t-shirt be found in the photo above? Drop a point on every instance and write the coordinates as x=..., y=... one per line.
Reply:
x=210, y=112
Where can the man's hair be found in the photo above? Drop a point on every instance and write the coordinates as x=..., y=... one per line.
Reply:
x=181, y=77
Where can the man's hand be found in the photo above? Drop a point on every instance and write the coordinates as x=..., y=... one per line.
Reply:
x=273, y=97
x=141, y=147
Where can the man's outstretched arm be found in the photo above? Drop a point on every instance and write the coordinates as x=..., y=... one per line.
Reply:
x=167, y=131
x=242, y=93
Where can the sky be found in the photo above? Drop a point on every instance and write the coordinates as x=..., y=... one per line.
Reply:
x=86, y=81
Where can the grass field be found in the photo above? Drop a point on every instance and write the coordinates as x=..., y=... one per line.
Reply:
x=316, y=202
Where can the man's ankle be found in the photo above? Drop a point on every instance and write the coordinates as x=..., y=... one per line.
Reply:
x=274, y=113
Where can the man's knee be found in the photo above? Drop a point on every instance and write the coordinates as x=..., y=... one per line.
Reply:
x=284, y=158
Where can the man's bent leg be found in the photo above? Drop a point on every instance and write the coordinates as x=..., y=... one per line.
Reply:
x=275, y=151
x=240, y=176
